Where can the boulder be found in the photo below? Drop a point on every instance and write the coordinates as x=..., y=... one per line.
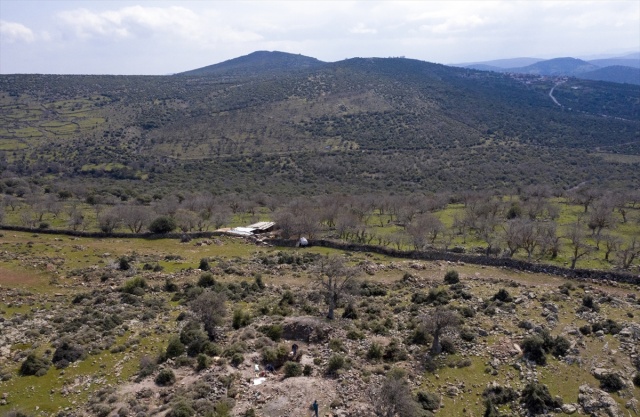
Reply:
x=598, y=403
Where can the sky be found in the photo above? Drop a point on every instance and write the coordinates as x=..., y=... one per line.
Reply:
x=164, y=37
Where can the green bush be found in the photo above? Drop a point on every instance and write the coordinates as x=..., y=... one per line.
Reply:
x=204, y=264
x=33, y=365
x=206, y=280
x=336, y=362
x=451, y=277
x=636, y=379
x=165, y=377
x=275, y=356
x=375, y=351
x=241, y=318
x=162, y=224
x=533, y=348
x=175, y=347
x=181, y=409
x=203, y=362
x=503, y=295
x=428, y=401
x=135, y=286
x=537, y=400
x=292, y=369
x=611, y=382
x=274, y=332
x=237, y=359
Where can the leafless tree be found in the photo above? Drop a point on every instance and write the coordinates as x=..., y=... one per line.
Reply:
x=134, y=217
x=577, y=242
x=210, y=307
x=437, y=322
x=109, y=220
x=601, y=216
x=333, y=276
x=584, y=196
x=393, y=398
x=627, y=254
x=186, y=220
x=549, y=239
x=76, y=218
x=611, y=244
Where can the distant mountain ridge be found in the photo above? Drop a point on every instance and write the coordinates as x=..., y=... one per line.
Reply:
x=623, y=69
x=259, y=62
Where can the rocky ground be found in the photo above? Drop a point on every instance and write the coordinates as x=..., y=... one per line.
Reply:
x=104, y=335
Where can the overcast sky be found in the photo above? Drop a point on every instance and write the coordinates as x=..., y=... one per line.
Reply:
x=162, y=37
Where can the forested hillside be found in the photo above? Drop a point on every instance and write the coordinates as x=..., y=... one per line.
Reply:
x=357, y=125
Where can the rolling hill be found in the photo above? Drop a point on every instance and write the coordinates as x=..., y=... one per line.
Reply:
x=286, y=124
x=624, y=69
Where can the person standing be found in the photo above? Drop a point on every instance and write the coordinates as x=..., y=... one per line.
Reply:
x=315, y=407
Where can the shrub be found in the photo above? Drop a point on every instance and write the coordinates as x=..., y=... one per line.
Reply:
x=162, y=224
x=181, y=409
x=536, y=398
x=135, y=286
x=165, y=377
x=147, y=367
x=66, y=353
x=503, y=295
x=33, y=365
x=394, y=352
x=174, y=347
x=586, y=329
x=236, y=359
x=498, y=394
x=307, y=371
x=274, y=332
x=636, y=379
x=336, y=362
x=589, y=302
x=428, y=401
x=611, y=382
x=560, y=346
x=533, y=348
x=123, y=264
x=374, y=352
x=275, y=356
x=203, y=362
x=206, y=280
x=292, y=369
x=467, y=335
x=204, y=264
x=451, y=277
x=241, y=318
x=467, y=312
x=448, y=346
x=350, y=312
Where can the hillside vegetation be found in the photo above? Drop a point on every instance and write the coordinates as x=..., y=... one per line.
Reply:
x=357, y=125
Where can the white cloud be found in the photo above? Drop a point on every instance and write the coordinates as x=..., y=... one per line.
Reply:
x=11, y=32
x=361, y=28
x=143, y=22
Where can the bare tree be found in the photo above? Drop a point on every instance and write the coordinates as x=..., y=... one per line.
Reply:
x=393, y=398
x=611, y=244
x=186, y=220
x=134, y=217
x=109, y=220
x=437, y=322
x=211, y=309
x=628, y=253
x=584, y=196
x=601, y=216
x=549, y=239
x=579, y=247
x=76, y=218
x=334, y=276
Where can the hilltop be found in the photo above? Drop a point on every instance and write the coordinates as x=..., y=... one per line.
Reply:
x=357, y=125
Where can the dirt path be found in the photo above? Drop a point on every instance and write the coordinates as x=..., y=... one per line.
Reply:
x=551, y=93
